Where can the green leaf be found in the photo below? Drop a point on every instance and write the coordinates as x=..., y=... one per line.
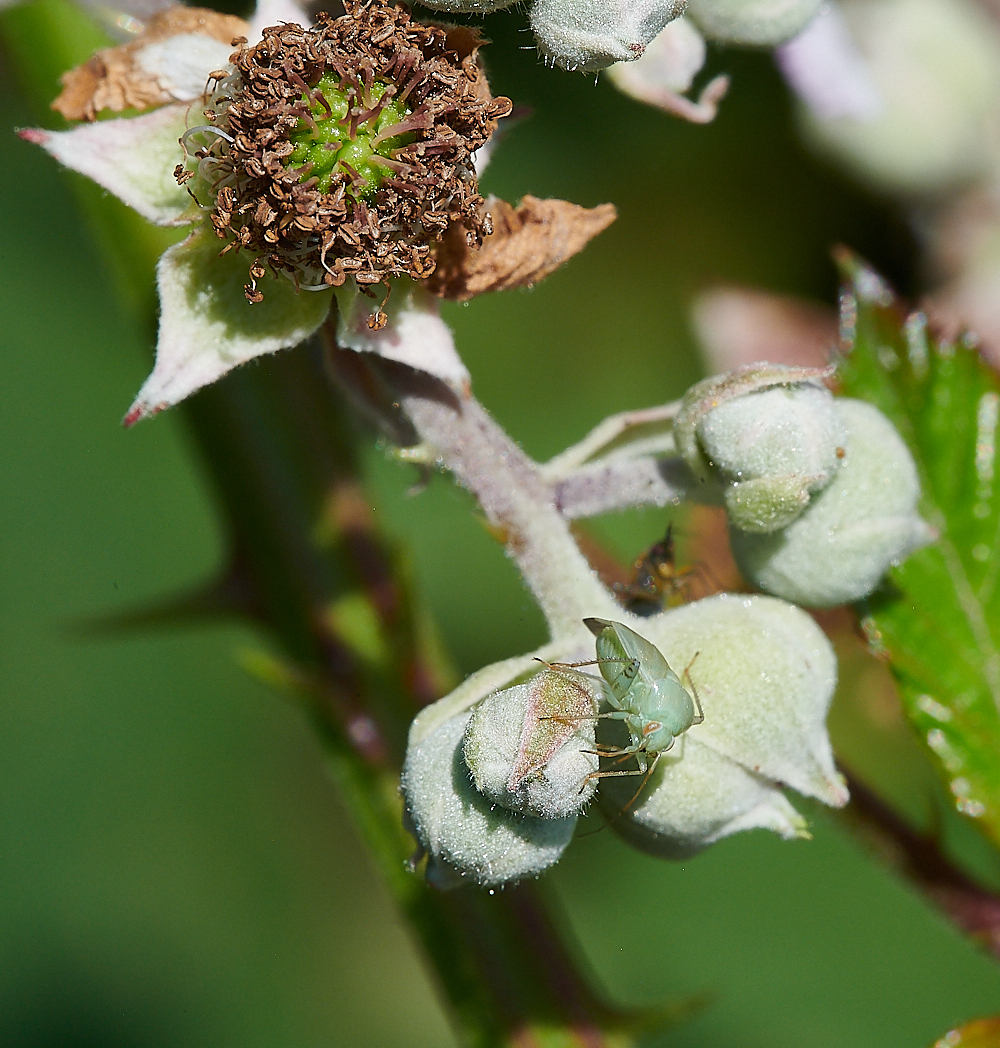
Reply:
x=937, y=617
x=983, y=1033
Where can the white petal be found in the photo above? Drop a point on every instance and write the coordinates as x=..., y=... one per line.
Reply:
x=666, y=70
x=669, y=63
x=134, y=158
x=273, y=12
x=415, y=334
x=825, y=69
x=207, y=327
x=183, y=63
x=765, y=674
x=695, y=797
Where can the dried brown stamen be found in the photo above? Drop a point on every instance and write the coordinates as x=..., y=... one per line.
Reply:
x=374, y=217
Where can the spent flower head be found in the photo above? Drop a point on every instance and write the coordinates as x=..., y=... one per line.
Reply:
x=314, y=161
x=346, y=148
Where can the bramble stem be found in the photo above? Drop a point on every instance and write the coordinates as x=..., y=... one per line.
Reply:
x=920, y=858
x=282, y=459
x=307, y=564
x=508, y=485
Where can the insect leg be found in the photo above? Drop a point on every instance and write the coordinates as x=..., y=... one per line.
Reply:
x=609, y=775
x=642, y=785
x=694, y=690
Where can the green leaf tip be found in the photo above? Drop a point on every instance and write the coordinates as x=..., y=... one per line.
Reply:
x=981, y=1033
x=936, y=620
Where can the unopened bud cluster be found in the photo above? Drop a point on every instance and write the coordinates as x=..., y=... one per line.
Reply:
x=694, y=719
x=821, y=492
x=493, y=795
x=763, y=439
x=861, y=523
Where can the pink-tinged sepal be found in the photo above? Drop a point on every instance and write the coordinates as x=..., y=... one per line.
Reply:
x=134, y=158
x=207, y=326
x=410, y=330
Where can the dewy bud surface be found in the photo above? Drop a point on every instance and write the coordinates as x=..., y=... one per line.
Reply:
x=694, y=798
x=590, y=35
x=468, y=837
x=864, y=521
x=479, y=7
x=764, y=440
x=530, y=747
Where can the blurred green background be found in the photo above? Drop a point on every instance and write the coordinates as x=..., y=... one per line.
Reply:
x=175, y=868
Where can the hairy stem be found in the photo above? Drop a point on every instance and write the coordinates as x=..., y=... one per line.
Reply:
x=508, y=485
x=307, y=564
x=283, y=461
x=920, y=859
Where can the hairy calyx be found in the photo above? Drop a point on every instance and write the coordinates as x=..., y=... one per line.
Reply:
x=345, y=150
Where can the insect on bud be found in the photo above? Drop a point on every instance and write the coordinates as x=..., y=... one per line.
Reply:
x=755, y=23
x=766, y=438
x=590, y=35
x=765, y=674
x=530, y=747
x=864, y=521
x=468, y=837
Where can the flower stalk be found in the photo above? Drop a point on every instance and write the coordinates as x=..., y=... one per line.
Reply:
x=307, y=564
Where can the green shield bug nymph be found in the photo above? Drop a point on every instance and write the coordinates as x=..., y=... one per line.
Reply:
x=644, y=693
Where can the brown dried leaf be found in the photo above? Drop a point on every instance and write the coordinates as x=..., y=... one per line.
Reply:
x=113, y=80
x=527, y=243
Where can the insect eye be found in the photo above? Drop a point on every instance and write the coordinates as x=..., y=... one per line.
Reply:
x=651, y=727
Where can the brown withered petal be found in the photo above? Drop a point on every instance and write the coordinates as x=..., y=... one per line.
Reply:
x=527, y=243
x=281, y=215
x=112, y=80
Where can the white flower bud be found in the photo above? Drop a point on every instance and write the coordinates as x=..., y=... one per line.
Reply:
x=467, y=837
x=530, y=747
x=671, y=62
x=767, y=447
x=852, y=531
x=765, y=674
x=757, y=23
x=589, y=35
